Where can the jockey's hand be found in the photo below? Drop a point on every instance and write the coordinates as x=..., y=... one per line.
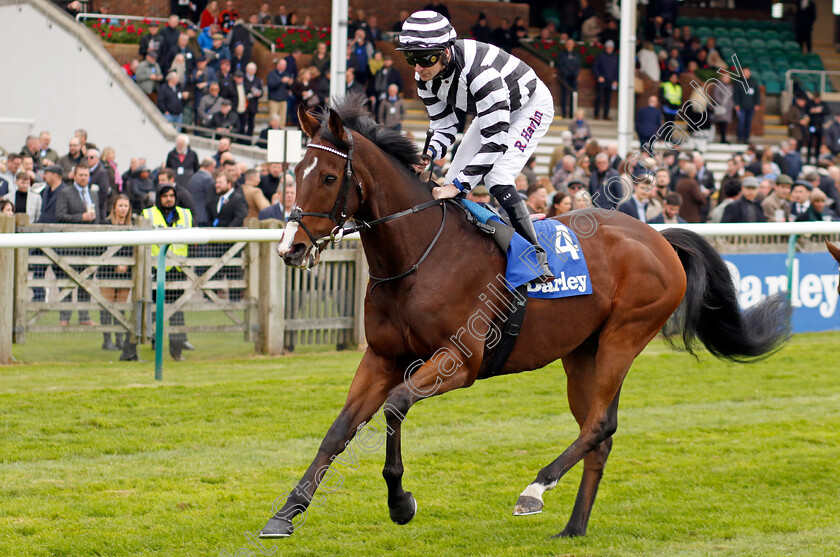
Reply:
x=424, y=162
x=445, y=192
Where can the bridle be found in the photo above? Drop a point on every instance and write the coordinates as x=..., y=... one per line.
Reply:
x=338, y=214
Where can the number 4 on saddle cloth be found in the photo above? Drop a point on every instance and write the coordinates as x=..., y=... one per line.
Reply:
x=565, y=257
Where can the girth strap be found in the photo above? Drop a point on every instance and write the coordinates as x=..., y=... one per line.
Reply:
x=510, y=333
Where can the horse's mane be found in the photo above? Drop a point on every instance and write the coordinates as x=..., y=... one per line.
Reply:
x=357, y=118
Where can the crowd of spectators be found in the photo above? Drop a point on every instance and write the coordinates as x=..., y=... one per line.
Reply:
x=85, y=186
x=199, y=70
x=760, y=185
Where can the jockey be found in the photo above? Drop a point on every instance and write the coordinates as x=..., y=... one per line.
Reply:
x=513, y=109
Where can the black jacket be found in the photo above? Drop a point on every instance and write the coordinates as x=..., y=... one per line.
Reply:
x=102, y=179
x=743, y=211
x=229, y=122
x=832, y=138
x=183, y=170
x=170, y=100
x=48, y=202
x=227, y=88
x=568, y=64
x=750, y=97
x=233, y=212
x=253, y=100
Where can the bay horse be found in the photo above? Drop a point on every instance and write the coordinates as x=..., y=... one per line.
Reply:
x=445, y=270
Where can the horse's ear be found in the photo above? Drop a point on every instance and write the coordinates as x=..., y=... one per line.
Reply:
x=833, y=250
x=336, y=125
x=308, y=123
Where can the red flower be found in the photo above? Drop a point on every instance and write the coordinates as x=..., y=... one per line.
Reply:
x=146, y=21
x=130, y=29
x=109, y=35
x=554, y=55
x=293, y=41
x=583, y=50
x=321, y=35
x=303, y=39
x=590, y=59
x=140, y=31
x=281, y=45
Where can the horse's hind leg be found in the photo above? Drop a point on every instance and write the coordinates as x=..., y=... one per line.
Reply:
x=595, y=374
x=593, y=462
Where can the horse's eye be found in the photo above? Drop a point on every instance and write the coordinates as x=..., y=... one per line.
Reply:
x=329, y=180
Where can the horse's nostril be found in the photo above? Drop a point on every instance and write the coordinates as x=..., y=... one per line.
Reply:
x=295, y=252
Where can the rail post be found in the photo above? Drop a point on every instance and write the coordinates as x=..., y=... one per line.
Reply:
x=161, y=284
x=791, y=257
x=7, y=293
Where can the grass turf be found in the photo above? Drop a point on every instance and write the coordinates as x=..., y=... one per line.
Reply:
x=709, y=458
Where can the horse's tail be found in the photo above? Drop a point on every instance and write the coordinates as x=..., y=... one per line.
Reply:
x=709, y=311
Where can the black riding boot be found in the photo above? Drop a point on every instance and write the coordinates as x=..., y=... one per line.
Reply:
x=106, y=342
x=176, y=346
x=521, y=220
x=129, y=351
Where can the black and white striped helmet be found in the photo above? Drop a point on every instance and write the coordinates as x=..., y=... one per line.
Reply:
x=426, y=30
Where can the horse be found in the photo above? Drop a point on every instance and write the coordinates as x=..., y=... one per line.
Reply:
x=432, y=273
x=835, y=253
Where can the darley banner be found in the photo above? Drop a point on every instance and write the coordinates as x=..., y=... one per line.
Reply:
x=814, y=286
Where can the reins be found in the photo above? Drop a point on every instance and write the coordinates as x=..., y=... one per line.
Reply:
x=338, y=233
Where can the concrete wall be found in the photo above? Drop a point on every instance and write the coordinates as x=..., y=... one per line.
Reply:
x=58, y=75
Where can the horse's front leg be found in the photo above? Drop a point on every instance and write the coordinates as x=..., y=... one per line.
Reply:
x=444, y=373
x=374, y=378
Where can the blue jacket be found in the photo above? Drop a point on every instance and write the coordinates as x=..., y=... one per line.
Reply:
x=648, y=121
x=629, y=208
x=277, y=90
x=273, y=211
x=606, y=66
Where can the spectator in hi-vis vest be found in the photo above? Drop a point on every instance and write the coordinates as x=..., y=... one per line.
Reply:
x=165, y=213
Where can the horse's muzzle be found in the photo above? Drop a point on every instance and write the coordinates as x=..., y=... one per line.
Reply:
x=302, y=256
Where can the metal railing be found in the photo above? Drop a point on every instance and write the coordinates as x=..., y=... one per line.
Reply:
x=118, y=17
x=214, y=134
x=789, y=79
x=260, y=37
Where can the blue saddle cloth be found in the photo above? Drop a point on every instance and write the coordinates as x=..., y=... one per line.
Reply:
x=565, y=258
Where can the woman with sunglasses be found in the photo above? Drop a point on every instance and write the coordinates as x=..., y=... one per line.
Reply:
x=513, y=109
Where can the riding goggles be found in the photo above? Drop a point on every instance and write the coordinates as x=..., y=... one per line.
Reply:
x=424, y=58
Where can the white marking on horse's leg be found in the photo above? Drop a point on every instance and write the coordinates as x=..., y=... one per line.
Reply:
x=309, y=168
x=536, y=490
x=285, y=243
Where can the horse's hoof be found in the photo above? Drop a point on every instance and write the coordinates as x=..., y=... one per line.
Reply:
x=569, y=532
x=405, y=511
x=526, y=505
x=277, y=528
